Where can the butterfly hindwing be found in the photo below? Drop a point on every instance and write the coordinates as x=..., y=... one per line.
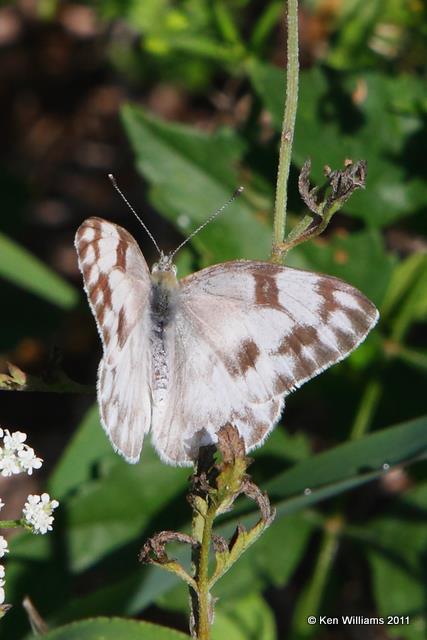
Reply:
x=117, y=283
x=247, y=334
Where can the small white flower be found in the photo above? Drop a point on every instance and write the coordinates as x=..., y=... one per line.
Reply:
x=15, y=455
x=1, y=504
x=1, y=432
x=3, y=549
x=14, y=441
x=28, y=460
x=2, y=595
x=1, y=572
x=9, y=464
x=37, y=512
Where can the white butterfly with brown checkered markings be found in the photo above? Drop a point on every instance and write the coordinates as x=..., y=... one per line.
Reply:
x=223, y=345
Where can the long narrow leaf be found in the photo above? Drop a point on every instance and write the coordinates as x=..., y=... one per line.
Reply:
x=25, y=270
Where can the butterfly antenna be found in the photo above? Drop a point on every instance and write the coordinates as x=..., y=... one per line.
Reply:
x=216, y=213
x=115, y=185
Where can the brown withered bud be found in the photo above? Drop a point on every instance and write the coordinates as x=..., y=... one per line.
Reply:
x=344, y=183
x=230, y=443
x=308, y=195
x=341, y=182
x=251, y=490
x=154, y=551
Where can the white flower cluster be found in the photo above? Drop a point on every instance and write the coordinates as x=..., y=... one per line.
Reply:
x=37, y=512
x=15, y=455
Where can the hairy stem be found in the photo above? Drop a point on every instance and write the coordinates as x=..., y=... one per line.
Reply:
x=204, y=616
x=202, y=532
x=287, y=135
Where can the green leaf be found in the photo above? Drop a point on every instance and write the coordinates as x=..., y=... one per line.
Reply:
x=269, y=83
x=354, y=258
x=127, y=595
x=262, y=566
x=112, y=629
x=206, y=47
x=115, y=509
x=21, y=268
x=355, y=28
x=332, y=125
x=413, y=305
x=249, y=618
x=283, y=448
x=351, y=463
x=405, y=274
x=192, y=174
x=398, y=572
x=37, y=571
x=89, y=444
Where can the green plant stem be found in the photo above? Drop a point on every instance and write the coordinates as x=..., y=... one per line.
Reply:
x=10, y=524
x=287, y=135
x=367, y=407
x=301, y=233
x=321, y=571
x=202, y=532
x=310, y=602
x=203, y=580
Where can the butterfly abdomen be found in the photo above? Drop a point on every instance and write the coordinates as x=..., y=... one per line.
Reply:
x=163, y=297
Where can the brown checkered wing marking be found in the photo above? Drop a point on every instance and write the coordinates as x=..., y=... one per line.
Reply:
x=117, y=284
x=247, y=334
x=116, y=278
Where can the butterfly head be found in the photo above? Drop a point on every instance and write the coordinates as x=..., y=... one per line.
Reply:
x=164, y=264
x=164, y=272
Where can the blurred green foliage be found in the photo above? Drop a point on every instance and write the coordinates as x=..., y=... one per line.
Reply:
x=364, y=98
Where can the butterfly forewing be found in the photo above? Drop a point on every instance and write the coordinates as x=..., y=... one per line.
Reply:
x=247, y=334
x=117, y=283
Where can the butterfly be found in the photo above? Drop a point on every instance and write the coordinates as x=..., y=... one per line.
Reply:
x=227, y=344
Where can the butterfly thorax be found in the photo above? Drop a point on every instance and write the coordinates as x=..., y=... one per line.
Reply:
x=164, y=289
